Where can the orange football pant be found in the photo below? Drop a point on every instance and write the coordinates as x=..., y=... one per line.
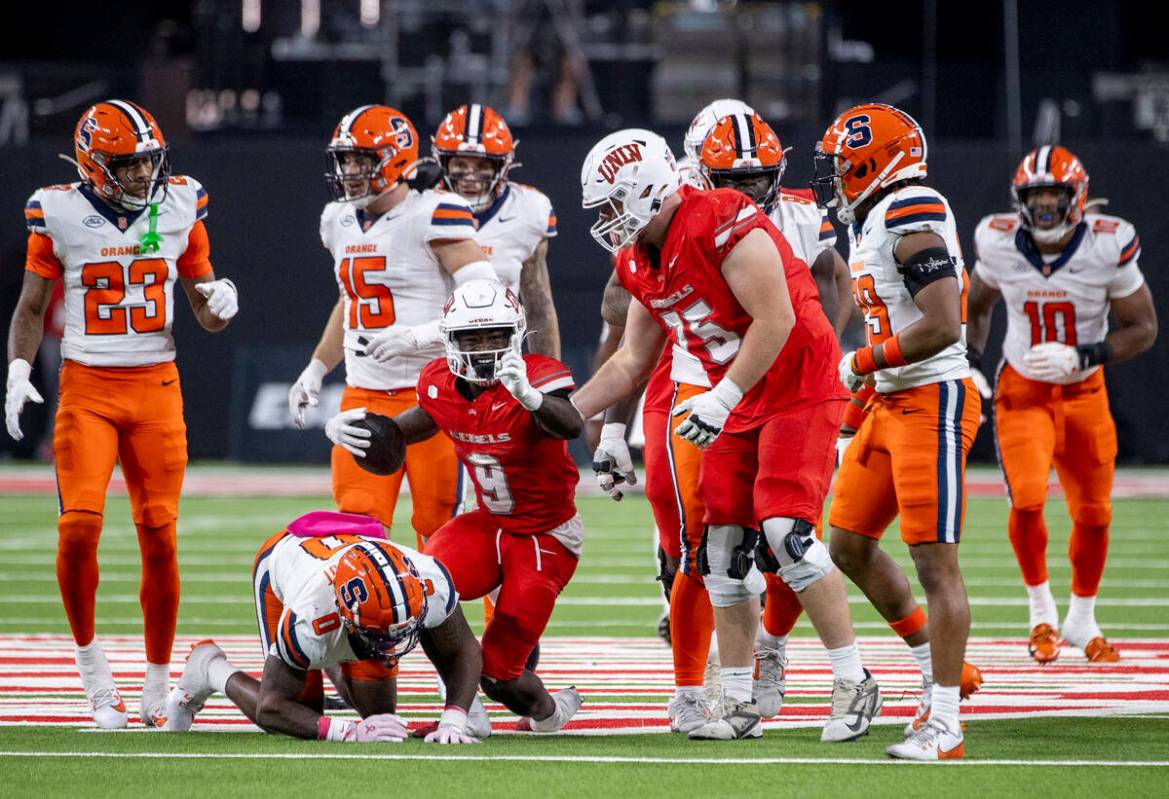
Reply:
x=431, y=467
x=1038, y=425
x=133, y=416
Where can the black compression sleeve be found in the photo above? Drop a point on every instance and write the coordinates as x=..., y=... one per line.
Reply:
x=926, y=266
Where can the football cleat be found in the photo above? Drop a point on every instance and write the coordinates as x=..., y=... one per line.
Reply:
x=109, y=711
x=153, y=708
x=687, y=712
x=478, y=722
x=854, y=706
x=1098, y=650
x=933, y=741
x=970, y=682
x=1043, y=645
x=186, y=699
x=769, y=685
x=731, y=721
x=567, y=702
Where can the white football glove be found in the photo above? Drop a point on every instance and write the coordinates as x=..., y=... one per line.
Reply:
x=20, y=391
x=341, y=432
x=513, y=375
x=222, y=297
x=851, y=380
x=984, y=391
x=452, y=729
x=382, y=728
x=708, y=413
x=398, y=340
x=842, y=443
x=1052, y=360
x=612, y=463
x=306, y=391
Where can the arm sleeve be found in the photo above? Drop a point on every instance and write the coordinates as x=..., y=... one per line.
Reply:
x=196, y=259
x=41, y=260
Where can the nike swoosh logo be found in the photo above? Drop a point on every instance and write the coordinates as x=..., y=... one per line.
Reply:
x=168, y=382
x=496, y=406
x=505, y=219
x=910, y=410
x=670, y=265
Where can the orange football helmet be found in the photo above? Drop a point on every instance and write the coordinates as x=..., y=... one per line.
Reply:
x=742, y=152
x=475, y=131
x=389, y=144
x=1050, y=167
x=381, y=598
x=112, y=134
x=867, y=148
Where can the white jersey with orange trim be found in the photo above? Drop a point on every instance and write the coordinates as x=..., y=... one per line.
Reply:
x=310, y=634
x=804, y=224
x=1064, y=297
x=119, y=300
x=879, y=287
x=513, y=227
x=389, y=275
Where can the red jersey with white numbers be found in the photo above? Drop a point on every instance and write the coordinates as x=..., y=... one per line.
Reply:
x=686, y=293
x=522, y=477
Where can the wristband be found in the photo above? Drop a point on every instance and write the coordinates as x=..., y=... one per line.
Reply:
x=476, y=270
x=453, y=716
x=863, y=362
x=854, y=415
x=891, y=349
x=340, y=731
x=1091, y=354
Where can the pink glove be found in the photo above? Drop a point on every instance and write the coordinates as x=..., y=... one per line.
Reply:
x=382, y=728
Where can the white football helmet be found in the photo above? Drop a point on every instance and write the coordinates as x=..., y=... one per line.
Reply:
x=705, y=120
x=476, y=310
x=631, y=172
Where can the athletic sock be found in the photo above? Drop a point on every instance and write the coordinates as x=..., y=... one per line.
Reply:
x=846, y=663
x=921, y=653
x=220, y=671
x=1081, y=620
x=736, y=683
x=157, y=676
x=1042, y=604
x=944, y=706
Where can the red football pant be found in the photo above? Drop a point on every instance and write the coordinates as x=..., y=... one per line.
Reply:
x=529, y=570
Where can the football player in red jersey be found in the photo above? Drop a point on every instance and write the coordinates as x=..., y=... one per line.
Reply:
x=509, y=417
x=713, y=276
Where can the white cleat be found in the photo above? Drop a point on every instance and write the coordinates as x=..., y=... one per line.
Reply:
x=731, y=721
x=932, y=741
x=922, y=714
x=153, y=708
x=712, y=678
x=186, y=699
x=770, y=683
x=687, y=712
x=109, y=711
x=854, y=706
x=568, y=701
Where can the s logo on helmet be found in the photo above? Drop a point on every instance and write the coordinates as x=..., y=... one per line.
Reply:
x=403, y=138
x=85, y=134
x=858, y=130
x=625, y=154
x=353, y=593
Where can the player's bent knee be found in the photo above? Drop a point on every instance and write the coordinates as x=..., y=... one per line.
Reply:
x=1093, y=515
x=157, y=514
x=789, y=548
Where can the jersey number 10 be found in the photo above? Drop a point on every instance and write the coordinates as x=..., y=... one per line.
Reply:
x=1048, y=319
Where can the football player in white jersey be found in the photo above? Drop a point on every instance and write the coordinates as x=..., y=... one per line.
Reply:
x=332, y=594
x=120, y=239
x=476, y=152
x=1060, y=276
x=908, y=457
x=397, y=254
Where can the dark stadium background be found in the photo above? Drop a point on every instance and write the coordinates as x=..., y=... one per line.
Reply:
x=1094, y=76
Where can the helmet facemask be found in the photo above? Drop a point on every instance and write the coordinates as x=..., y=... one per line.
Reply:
x=616, y=225
x=479, y=186
x=760, y=183
x=1039, y=217
x=153, y=189
x=384, y=645
x=476, y=353
x=355, y=186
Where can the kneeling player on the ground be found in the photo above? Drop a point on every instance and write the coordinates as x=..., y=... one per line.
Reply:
x=509, y=417
x=331, y=596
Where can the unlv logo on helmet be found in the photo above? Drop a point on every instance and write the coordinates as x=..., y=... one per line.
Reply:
x=625, y=154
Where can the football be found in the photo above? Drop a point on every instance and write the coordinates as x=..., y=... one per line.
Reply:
x=387, y=447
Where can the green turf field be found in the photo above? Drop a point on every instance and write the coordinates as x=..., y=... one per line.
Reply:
x=613, y=594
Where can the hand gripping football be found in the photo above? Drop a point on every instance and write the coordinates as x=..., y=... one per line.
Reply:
x=387, y=446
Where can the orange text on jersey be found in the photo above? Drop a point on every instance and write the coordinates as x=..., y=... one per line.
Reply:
x=359, y=248
x=135, y=249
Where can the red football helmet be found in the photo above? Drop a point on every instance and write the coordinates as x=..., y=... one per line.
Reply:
x=742, y=152
x=865, y=149
x=1050, y=167
x=110, y=136
x=388, y=145
x=381, y=598
x=475, y=131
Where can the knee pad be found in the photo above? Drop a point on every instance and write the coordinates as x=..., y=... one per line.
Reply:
x=789, y=548
x=1093, y=515
x=727, y=564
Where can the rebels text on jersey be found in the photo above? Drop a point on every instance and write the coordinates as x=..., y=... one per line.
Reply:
x=119, y=299
x=688, y=296
x=310, y=634
x=512, y=228
x=524, y=478
x=878, y=285
x=389, y=275
x=1062, y=298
